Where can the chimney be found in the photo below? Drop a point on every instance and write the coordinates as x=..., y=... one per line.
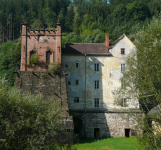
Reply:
x=107, y=40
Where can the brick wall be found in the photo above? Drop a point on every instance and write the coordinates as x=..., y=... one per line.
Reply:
x=40, y=41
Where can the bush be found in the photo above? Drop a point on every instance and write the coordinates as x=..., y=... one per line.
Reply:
x=10, y=59
x=34, y=59
x=27, y=121
x=54, y=67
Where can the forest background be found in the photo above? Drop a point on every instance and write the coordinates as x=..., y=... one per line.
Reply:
x=84, y=21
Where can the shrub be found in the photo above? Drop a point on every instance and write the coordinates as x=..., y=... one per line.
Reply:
x=27, y=121
x=54, y=67
x=34, y=59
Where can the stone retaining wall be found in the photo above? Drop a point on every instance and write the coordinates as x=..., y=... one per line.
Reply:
x=46, y=83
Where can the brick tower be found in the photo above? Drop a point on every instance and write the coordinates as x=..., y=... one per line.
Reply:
x=46, y=44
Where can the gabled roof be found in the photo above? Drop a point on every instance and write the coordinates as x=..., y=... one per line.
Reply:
x=89, y=48
x=116, y=41
x=86, y=48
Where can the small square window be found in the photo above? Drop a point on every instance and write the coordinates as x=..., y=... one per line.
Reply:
x=76, y=82
x=76, y=99
x=96, y=67
x=96, y=84
x=122, y=51
x=122, y=67
x=76, y=65
x=96, y=102
x=69, y=83
x=66, y=65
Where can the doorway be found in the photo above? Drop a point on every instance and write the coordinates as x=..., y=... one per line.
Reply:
x=96, y=132
x=127, y=132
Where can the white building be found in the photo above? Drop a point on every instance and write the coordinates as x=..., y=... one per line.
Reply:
x=93, y=74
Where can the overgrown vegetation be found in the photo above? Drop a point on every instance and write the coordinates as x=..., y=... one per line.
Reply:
x=10, y=54
x=54, y=67
x=28, y=122
x=142, y=81
x=34, y=59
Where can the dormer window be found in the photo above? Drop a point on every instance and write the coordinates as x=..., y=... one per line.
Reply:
x=122, y=51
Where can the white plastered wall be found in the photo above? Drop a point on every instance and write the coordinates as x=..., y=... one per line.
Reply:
x=108, y=76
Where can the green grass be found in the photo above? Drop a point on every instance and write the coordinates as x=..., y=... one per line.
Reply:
x=118, y=143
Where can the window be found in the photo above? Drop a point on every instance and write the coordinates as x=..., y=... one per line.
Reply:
x=124, y=102
x=76, y=82
x=122, y=51
x=122, y=67
x=76, y=99
x=33, y=57
x=48, y=53
x=76, y=65
x=68, y=83
x=96, y=84
x=96, y=102
x=96, y=67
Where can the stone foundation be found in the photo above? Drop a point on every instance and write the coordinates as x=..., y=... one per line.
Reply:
x=108, y=124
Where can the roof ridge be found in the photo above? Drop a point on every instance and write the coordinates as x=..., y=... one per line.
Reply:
x=84, y=43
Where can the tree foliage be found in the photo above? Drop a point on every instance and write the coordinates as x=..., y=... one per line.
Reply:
x=28, y=122
x=137, y=11
x=142, y=80
x=10, y=53
x=73, y=15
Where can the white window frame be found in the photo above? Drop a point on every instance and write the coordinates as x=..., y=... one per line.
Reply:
x=122, y=67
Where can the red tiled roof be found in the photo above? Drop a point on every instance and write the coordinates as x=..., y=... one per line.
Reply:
x=86, y=48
